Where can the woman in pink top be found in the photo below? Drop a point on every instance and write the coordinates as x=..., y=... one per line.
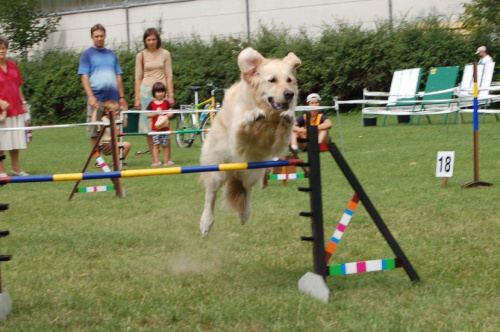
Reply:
x=152, y=65
x=13, y=102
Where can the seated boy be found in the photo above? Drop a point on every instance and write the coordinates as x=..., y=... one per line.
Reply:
x=315, y=119
x=105, y=145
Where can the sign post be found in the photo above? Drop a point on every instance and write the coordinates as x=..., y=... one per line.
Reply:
x=444, y=166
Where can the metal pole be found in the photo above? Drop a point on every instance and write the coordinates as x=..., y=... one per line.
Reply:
x=390, y=14
x=248, y=20
x=127, y=24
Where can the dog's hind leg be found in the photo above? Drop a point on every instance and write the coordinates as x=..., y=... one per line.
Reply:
x=247, y=209
x=239, y=192
x=213, y=182
x=238, y=197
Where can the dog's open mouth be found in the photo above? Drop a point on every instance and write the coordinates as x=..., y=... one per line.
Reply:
x=279, y=106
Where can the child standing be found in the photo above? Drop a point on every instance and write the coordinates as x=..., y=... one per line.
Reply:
x=160, y=123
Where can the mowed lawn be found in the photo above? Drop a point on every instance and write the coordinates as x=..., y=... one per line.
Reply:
x=139, y=263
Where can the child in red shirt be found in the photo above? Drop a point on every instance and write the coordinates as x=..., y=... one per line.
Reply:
x=160, y=123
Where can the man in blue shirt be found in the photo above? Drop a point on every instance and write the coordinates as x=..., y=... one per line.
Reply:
x=101, y=78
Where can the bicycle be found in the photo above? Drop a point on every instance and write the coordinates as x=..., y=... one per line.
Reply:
x=194, y=123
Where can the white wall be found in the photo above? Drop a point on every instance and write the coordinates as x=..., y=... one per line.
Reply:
x=228, y=17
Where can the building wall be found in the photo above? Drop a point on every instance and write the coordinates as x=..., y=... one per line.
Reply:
x=208, y=18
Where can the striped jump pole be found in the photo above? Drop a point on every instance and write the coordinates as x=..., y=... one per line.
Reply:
x=287, y=176
x=364, y=266
x=149, y=172
x=100, y=161
x=341, y=227
x=95, y=189
x=170, y=132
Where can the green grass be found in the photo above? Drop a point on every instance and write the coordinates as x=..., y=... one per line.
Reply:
x=139, y=263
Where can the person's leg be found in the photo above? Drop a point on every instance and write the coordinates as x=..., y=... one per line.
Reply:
x=323, y=136
x=155, y=151
x=165, y=140
x=293, y=140
x=144, y=122
x=92, y=130
x=156, y=154
x=150, y=142
x=14, y=160
x=126, y=149
x=302, y=146
x=166, y=150
x=93, y=140
x=2, y=167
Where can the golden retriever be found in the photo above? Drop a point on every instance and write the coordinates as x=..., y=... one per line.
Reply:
x=254, y=124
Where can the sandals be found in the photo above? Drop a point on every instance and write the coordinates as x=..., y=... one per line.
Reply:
x=138, y=153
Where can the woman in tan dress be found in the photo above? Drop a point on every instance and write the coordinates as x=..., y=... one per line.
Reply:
x=152, y=65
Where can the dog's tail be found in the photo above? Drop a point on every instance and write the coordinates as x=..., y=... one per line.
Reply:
x=235, y=194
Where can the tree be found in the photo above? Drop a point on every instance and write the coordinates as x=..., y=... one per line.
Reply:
x=25, y=24
x=481, y=18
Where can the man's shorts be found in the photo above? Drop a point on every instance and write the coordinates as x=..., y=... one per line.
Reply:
x=161, y=139
x=92, y=130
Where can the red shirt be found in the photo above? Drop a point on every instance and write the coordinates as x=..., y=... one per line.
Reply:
x=10, y=82
x=159, y=107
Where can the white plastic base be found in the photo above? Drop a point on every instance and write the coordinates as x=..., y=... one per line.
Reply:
x=5, y=305
x=314, y=285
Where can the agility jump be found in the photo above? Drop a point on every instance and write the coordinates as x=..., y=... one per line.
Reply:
x=313, y=284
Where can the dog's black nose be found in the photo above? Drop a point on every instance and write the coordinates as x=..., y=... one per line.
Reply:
x=288, y=94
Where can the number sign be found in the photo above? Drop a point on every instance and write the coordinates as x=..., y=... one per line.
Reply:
x=444, y=164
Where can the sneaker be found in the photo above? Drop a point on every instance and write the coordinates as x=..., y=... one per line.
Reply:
x=169, y=163
x=3, y=175
x=14, y=173
x=156, y=165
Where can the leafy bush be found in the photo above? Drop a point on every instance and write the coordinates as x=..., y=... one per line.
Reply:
x=341, y=61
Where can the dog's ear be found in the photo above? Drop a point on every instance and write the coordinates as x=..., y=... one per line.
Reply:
x=292, y=60
x=248, y=61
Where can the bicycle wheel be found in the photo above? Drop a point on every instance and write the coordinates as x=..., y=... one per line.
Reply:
x=185, y=122
x=206, y=124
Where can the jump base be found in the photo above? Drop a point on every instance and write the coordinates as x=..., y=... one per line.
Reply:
x=314, y=285
x=5, y=305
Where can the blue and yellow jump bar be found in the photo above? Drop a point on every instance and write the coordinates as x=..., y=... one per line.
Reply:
x=149, y=172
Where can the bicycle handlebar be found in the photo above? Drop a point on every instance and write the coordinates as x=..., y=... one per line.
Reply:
x=212, y=86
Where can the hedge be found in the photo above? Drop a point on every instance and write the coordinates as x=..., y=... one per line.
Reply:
x=340, y=61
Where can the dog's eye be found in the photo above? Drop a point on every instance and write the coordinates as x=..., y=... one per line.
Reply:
x=289, y=80
x=272, y=80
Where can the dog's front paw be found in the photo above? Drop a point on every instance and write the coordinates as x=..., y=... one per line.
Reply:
x=287, y=116
x=254, y=115
x=206, y=223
